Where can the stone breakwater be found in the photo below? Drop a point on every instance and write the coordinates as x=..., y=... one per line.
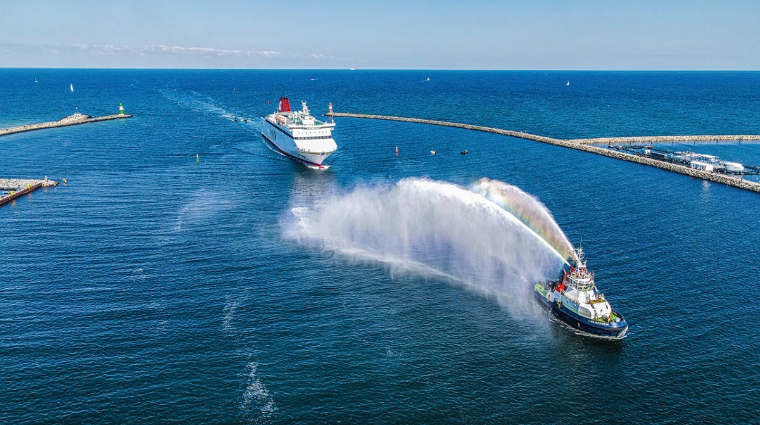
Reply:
x=585, y=145
x=18, y=184
x=75, y=119
x=11, y=189
x=666, y=139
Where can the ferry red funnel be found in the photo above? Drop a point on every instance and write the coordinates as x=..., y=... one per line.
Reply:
x=284, y=105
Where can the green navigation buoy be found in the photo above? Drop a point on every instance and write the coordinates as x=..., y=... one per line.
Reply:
x=121, y=109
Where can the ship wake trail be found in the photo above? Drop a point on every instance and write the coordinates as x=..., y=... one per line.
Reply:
x=202, y=104
x=433, y=229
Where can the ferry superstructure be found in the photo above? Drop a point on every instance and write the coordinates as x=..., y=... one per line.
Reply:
x=576, y=301
x=298, y=135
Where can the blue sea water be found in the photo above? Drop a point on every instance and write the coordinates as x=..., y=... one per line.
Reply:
x=152, y=288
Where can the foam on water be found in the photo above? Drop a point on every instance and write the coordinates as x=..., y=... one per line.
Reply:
x=432, y=229
x=203, y=205
x=229, y=313
x=203, y=104
x=256, y=395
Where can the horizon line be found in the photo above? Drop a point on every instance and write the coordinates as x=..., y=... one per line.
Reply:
x=384, y=69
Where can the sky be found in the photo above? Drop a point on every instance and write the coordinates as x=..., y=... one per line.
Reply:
x=387, y=34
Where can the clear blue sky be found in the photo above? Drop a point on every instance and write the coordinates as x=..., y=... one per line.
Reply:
x=539, y=34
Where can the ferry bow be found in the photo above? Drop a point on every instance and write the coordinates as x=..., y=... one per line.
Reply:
x=298, y=135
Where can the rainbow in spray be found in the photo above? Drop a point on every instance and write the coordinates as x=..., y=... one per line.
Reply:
x=528, y=210
x=434, y=228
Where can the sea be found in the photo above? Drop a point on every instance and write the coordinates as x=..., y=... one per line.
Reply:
x=186, y=272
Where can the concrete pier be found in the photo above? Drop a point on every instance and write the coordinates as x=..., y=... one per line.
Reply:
x=11, y=189
x=586, y=146
x=75, y=119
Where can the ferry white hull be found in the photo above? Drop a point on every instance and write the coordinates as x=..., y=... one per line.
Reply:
x=311, y=153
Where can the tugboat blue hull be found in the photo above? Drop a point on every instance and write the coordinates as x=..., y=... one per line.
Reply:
x=615, y=330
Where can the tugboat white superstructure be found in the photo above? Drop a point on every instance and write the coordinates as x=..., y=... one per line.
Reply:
x=298, y=135
x=575, y=300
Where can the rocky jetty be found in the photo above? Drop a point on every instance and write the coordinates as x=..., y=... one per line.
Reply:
x=74, y=119
x=586, y=146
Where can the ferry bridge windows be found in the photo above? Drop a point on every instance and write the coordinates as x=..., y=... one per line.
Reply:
x=312, y=138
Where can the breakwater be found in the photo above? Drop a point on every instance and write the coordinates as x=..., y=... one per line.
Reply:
x=11, y=189
x=667, y=139
x=75, y=119
x=586, y=146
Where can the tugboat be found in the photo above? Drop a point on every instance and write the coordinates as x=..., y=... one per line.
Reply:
x=575, y=301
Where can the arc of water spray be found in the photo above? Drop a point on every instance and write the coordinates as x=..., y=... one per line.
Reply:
x=532, y=232
x=437, y=229
x=506, y=213
x=530, y=212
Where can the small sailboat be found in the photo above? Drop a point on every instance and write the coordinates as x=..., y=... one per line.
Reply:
x=568, y=83
x=35, y=79
x=428, y=79
x=71, y=86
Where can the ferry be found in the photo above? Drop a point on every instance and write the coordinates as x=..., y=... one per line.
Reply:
x=298, y=135
x=575, y=300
